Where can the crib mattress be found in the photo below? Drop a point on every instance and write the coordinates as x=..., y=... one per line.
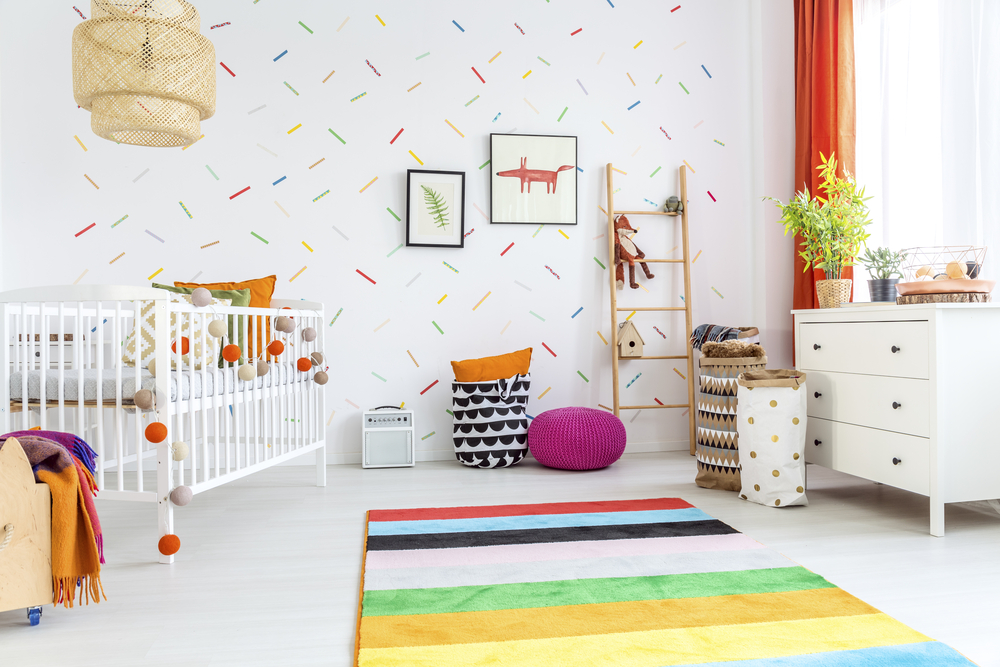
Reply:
x=219, y=381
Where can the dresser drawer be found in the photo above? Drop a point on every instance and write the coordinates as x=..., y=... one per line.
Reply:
x=865, y=347
x=889, y=403
x=869, y=453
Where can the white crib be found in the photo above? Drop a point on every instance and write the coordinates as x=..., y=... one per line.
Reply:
x=232, y=428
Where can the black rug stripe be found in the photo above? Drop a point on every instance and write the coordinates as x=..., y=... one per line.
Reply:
x=488, y=538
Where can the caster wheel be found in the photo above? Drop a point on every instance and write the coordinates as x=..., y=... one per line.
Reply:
x=34, y=615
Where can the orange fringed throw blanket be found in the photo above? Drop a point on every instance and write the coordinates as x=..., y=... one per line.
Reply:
x=75, y=558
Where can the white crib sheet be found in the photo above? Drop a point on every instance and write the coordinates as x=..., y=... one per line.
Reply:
x=219, y=381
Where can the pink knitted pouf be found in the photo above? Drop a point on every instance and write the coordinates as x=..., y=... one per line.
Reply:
x=576, y=438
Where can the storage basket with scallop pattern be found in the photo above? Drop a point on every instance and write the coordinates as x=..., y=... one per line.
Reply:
x=716, y=453
x=771, y=422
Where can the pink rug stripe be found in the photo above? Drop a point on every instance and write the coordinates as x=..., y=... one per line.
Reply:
x=526, y=553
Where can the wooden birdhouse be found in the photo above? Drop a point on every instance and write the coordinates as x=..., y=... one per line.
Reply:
x=629, y=341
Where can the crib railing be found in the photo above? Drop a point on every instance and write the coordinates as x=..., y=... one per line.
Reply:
x=231, y=427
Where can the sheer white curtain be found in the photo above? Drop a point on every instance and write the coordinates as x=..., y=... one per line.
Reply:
x=928, y=122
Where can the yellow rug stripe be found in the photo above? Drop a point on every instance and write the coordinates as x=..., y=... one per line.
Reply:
x=658, y=648
x=475, y=627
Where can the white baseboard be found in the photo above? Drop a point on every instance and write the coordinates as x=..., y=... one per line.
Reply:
x=354, y=458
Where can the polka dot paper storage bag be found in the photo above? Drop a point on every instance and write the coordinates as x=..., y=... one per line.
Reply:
x=771, y=422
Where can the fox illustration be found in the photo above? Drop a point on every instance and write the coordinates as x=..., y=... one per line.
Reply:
x=530, y=176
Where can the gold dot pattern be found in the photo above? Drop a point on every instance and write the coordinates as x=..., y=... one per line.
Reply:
x=756, y=487
x=799, y=489
x=775, y=473
x=774, y=404
x=750, y=421
x=777, y=502
x=743, y=497
x=774, y=438
x=795, y=420
x=753, y=455
x=795, y=456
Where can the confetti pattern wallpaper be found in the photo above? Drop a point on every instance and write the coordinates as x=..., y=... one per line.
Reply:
x=322, y=107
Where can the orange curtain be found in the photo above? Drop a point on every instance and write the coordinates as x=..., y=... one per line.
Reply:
x=824, y=108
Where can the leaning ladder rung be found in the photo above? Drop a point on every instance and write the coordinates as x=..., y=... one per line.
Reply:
x=629, y=310
x=644, y=213
x=673, y=356
x=660, y=261
x=652, y=407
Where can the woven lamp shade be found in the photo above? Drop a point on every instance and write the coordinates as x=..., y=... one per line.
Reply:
x=143, y=71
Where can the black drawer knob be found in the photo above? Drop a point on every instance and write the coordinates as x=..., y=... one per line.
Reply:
x=817, y=442
x=817, y=394
x=896, y=461
x=895, y=349
x=896, y=406
x=816, y=346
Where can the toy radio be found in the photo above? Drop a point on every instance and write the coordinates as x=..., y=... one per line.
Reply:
x=387, y=436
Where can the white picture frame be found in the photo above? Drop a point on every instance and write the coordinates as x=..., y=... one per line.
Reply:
x=533, y=179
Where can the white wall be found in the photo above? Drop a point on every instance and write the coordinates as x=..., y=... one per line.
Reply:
x=737, y=150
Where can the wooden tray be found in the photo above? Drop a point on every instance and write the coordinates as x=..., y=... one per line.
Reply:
x=946, y=287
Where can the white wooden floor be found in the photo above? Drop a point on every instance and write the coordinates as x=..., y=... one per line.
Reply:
x=268, y=569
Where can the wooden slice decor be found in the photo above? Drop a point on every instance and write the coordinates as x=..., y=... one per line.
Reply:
x=955, y=297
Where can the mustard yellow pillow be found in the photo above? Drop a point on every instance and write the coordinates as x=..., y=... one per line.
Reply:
x=493, y=368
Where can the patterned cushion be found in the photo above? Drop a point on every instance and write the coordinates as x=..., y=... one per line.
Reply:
x=576, y=438
x=191, y=328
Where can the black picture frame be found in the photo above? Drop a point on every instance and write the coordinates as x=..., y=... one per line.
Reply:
x=412, y=218
x=555, y=182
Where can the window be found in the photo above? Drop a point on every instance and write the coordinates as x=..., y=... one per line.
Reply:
x=928, y=121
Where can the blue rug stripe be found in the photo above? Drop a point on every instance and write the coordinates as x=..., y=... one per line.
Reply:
x=923, y=654
x=530, y=522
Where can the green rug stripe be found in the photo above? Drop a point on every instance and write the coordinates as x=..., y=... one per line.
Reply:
x=402, y=602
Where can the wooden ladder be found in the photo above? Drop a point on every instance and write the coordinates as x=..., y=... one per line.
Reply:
x=686, y=308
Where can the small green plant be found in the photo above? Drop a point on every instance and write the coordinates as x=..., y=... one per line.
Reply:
x=436, y=206
x=883, y=263
x=831, y=229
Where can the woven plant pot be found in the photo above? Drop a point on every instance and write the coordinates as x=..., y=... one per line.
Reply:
x=832, y=293
x=716, y=452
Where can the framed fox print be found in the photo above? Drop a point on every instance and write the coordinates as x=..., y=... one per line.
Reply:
x=533, y=179
x=435, y=208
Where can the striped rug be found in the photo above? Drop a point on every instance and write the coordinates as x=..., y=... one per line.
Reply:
x=632, y=583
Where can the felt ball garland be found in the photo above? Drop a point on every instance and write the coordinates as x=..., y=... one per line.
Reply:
x=185, y=345
x=201, y=297
x=263, y=368
x=321, y=377
x=180, y=450
x=181, y=496
x=169, y=545
x=303, y=364
x=151, y=366
x=316, y=358
x=308, y=334
x=247, y=372
x=231, y=353
x=217, y=328
x=143, y=399
x=284, y=324
x=156, y=432
x=275, y=348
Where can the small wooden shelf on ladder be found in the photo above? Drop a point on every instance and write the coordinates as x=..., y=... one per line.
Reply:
x=686, y=261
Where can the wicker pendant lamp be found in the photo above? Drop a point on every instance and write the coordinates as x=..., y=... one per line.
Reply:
x=143, y=71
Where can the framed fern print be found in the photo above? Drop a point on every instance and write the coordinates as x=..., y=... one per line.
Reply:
x=435, y=208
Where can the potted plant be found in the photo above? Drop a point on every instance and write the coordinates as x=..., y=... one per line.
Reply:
x=831, y=229
x=882, y=265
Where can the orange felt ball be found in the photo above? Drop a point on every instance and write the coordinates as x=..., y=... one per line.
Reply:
x=185, y=345
x=169, y=545
x=304, y=364
x=275, y=348
x=156, y=432
x=231, y=352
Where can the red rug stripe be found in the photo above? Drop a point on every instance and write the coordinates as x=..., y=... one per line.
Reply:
x=528, y=510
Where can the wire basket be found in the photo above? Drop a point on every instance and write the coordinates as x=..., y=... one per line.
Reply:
x=933, y=261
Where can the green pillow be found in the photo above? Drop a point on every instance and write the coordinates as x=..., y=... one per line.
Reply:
x=240, y=298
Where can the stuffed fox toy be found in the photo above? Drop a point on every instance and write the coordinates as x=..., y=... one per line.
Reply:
x=626, y=251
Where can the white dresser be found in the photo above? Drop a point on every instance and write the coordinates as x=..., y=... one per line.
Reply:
x=906, y=396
